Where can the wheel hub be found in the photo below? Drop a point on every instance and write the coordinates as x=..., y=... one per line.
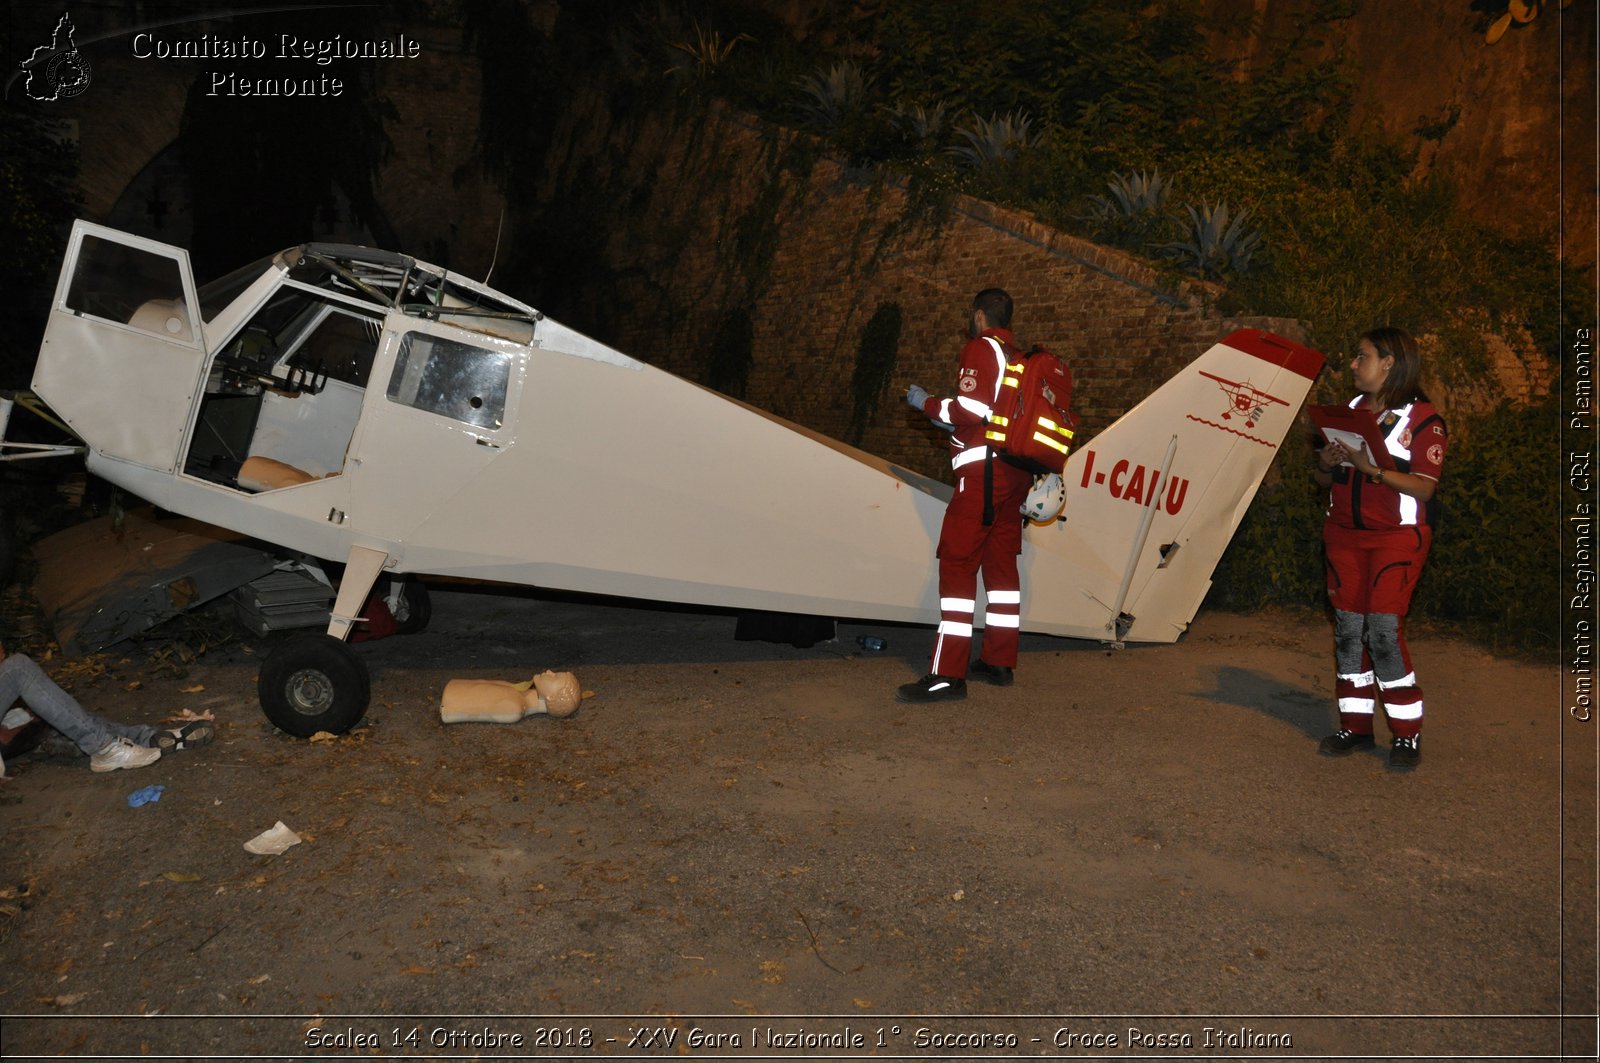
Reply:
x=309, y=691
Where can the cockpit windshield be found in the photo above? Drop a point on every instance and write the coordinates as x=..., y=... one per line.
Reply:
x=217, y=295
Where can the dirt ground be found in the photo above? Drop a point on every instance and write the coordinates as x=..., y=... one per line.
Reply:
x=1128, y=853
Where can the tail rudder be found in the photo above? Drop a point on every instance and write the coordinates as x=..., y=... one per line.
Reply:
x=1154, y=499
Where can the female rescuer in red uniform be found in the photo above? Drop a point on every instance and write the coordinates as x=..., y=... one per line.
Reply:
x=1377, y=534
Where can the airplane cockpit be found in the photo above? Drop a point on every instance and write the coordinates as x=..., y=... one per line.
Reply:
x=284, y=393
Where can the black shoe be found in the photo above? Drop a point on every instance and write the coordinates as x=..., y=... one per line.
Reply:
x=1405, y=753
x=995, y=674
x=933, y=688
x=1343, y=742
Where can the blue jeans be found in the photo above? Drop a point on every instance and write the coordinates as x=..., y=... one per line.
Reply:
x=21, y=678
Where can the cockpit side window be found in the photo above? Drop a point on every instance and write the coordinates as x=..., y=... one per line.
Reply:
x=130, y=286
x=455, y=380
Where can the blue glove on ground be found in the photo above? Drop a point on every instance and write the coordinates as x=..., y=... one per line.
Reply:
x=143, y=797
x=916, y=396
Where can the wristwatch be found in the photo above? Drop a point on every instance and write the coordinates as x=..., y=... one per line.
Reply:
x=1375, y=477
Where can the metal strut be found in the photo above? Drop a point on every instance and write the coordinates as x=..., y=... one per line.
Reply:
x=1120, y=622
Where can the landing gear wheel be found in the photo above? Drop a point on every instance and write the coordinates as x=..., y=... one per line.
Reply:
x=412, y=608
x=314, y=683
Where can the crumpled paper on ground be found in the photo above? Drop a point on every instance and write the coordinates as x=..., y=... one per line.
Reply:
x=272, y=842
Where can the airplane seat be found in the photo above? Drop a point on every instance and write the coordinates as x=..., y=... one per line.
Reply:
x=268, y=474
x=165, y=317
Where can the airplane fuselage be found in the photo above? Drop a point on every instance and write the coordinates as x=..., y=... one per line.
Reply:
x=339, y=399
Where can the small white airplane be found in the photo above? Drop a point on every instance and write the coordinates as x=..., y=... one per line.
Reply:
x=363, y=407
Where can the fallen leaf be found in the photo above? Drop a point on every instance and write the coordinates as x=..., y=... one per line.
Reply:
x=64, y=1001
x=417, y=968
x=133, y=684
x=258, y=979
x=180, y=876
x=197, y=688
x=324, y=736
x=862, y=1002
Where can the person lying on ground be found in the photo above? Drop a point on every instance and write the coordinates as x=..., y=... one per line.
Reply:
x=109, y=745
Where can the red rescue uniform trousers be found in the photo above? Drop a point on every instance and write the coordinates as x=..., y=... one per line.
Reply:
x=1376, y=571
x=968, y=546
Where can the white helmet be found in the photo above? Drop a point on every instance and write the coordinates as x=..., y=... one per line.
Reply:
x=1046, y=499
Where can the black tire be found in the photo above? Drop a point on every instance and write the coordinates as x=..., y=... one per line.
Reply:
x=314, y=683
x=414, y=608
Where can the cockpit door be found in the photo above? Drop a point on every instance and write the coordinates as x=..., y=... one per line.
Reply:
x=440, y=409
x=124, y=350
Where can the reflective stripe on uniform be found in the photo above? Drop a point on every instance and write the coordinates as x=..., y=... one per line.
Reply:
x=1002, y=620
x=1402, y=700
x=1000, y=362
x=972, y=406
x=951, y=627
x=957, y=605
x=968, y=456
x=1412, y=711
x=1051, y=443
x=1005, y=597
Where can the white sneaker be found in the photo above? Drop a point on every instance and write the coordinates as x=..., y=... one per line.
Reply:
x=122, y=753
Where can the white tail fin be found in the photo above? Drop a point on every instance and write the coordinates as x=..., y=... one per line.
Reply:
x=1153, y=500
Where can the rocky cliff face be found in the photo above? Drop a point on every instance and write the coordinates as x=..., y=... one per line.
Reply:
x=1511, y=123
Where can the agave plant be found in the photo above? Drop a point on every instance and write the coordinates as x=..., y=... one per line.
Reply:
x=1212, y=244
x=1133, y=213
x=1133, y=195
x=707, y=53
x=919, y=124
x=830, y=100
x=998, y=138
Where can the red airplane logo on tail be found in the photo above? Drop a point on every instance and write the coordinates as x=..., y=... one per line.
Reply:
x=1244, y=399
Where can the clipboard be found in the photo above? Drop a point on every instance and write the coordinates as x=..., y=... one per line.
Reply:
x=1341, y=424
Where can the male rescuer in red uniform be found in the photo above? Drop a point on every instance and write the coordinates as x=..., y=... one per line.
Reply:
x=966, y=543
